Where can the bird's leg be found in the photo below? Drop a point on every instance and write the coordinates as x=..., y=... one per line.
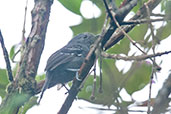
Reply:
x=68, y=91
x=77, y=76
x=65, y=88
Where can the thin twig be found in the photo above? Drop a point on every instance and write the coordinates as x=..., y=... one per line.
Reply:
x=103, y=38
x=13, y=57
x=103, y=30
x=134, y=43
x=23, y=35
x=151, y=28
x=108, y=10
x=158, y=15
x=101, y=79
x=130, y=58
x=141, y=21
x=23, y=40
x=24, y=24
x=150, y=88
x=139, y=15
x=113, y=5
x=153, y=49
x=6, y=57
x=130, y=39
x=92, y=97
x=110, y=109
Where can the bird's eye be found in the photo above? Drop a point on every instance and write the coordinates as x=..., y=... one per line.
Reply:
x=85, y=36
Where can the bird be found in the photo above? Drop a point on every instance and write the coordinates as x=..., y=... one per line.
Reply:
x=63, y=65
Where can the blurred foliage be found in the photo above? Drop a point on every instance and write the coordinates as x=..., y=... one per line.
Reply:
x=72, y=5
x=3, y=82
x=28, y=105
x=15, y=100
x=136, y=78
x=164, y=31
x=12, y=52
x=93, y=25
x=122, y=47
x=40, y=77
x=139, y=4
x=138, y=32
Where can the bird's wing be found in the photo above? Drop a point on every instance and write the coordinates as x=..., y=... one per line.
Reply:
x=62, y=56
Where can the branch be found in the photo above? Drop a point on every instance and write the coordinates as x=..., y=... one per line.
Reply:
x=158, y=15
x=103, y=39
x=162, y=100
x=154, y=59
x=141, y=21
x=6, y=57
x=119, y=15
x=89, y=61
x=135, y=58
x=23, y=88
x=139, y=15
x=134, y=43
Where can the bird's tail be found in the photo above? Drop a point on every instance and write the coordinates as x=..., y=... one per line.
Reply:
x=45, y=86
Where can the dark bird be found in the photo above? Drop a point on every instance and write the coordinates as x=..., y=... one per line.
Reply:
x=63, y=65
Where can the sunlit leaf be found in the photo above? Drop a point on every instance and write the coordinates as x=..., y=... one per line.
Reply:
x=40, y=77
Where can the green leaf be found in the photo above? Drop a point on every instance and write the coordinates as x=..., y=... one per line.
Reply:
x=40, y=77
x=3, y=82
x=28, y=105
x=122, y=47
x=72, y=5
x=138, y=6
x=100, y=98
x=168, y=7
x=137, y=77
x=146, y=43
x=111, y=81
x=12, y=51
x=91, y=25
x=16, y=99
x=164, y=31
x=139, y=32
x=87, y=89
x=118, y=2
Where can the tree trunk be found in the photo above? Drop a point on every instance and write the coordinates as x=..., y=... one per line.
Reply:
x=23, y=87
